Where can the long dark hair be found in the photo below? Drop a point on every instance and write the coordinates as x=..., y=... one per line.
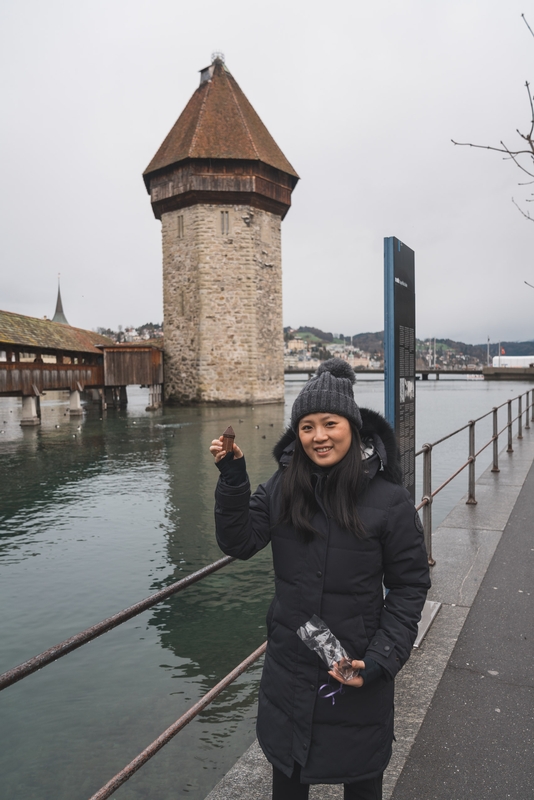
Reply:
x=345, y=482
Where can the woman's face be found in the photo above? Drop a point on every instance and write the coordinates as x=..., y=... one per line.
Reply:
x=326, y=438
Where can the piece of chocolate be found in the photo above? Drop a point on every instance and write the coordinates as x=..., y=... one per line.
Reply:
x=228, y=440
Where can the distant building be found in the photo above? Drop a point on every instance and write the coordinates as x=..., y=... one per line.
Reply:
x=513, y=361
x=297, y=345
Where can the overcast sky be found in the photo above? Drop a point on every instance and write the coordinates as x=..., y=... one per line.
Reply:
x=362, y=97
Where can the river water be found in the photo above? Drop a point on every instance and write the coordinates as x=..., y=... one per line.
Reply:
x=96, y=514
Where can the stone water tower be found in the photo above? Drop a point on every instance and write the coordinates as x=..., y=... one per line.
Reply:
x=221, y=186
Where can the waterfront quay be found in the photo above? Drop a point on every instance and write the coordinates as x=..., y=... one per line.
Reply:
x=485, y=373
x=464, y=726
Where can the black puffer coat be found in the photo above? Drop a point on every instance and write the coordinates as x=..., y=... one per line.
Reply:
x=338, y=577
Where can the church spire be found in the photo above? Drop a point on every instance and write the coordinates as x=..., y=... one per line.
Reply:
x=59, y=316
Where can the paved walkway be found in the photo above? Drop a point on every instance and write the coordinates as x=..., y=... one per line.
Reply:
x=477, y=738
x=465, y=699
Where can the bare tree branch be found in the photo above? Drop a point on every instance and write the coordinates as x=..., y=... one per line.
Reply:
x=525, y=213
x=515, y=155
x=502, y=149
x=526, y=23
x=527, y=84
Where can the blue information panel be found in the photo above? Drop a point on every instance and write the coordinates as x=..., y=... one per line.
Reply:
x=399, y=351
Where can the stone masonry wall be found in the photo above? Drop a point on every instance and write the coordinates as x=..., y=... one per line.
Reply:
x=222, y=297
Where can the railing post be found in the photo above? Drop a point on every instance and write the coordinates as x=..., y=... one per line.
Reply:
x=527, y=408
x=509, y=449
x=495, y=467
x=427, y=498
x=471, y=500
x=520, y=417
x=532, y=406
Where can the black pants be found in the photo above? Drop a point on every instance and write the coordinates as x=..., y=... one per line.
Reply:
x=285, y=788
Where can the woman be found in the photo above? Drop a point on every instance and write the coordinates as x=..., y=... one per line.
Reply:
x=341, y=527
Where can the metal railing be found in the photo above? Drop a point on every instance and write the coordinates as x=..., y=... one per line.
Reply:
x=58, y=651
x=427, y=450
x=126, y=773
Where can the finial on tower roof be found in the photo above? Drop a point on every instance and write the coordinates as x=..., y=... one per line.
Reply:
x=206, y=74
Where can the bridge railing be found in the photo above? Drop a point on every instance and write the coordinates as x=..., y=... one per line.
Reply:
x=429, y=493
x=525, y=414
x=28, y=378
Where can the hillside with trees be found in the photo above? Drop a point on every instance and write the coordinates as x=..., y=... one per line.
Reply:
x=446, y=349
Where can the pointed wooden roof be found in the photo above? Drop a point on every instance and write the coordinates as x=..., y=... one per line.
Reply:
x=218, y=123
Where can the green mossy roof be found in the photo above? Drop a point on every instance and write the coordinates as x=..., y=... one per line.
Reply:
x=31, y=332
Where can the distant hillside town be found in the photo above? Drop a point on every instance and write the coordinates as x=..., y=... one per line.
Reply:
x=143, y=333
x=306, y=346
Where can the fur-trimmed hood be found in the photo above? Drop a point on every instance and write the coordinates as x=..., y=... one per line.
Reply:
x=375, y=430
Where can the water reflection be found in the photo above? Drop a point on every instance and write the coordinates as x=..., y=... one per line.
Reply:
x=92, y=520
x=199, y=626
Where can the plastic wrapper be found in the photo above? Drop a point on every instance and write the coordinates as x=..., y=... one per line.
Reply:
x=318, y=637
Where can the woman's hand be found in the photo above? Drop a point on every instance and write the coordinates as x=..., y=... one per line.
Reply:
x=356, y=682
x=216, y=449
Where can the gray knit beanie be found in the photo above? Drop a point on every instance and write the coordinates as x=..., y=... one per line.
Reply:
x=330, y=391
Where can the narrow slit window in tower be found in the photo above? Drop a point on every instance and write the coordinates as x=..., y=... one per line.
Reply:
x=225, y=223
x=181, y=226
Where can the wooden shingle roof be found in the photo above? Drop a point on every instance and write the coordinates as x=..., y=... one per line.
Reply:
x=32, y=332
x=218, y=123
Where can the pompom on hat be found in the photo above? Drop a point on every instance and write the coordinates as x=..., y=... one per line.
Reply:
x=330, y=392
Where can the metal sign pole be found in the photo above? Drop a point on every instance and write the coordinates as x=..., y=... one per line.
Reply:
x=399, y=351
x=399, y=373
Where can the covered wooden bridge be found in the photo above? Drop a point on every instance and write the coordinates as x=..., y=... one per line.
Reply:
x=38, y=355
